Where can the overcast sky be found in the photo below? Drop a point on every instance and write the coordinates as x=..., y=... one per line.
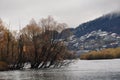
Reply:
x=72, y=12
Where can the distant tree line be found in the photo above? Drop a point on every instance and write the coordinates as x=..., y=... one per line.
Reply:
x=36, y=43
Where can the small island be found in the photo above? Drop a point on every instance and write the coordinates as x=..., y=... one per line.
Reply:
x=37, y=44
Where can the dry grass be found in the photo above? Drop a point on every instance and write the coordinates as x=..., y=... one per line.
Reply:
x=110, y=53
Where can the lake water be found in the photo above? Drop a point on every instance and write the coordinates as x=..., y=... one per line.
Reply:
x=78, y=70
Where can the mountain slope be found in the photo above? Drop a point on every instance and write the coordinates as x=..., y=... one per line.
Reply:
x=103, y=32
x=109, y=23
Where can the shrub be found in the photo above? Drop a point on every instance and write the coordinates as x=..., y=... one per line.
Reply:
x=109, y=53
x=3, y=66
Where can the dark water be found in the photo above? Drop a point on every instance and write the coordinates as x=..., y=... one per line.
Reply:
x=79, y=70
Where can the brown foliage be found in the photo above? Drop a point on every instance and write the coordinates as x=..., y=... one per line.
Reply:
x=3, y=66
x=37, y=43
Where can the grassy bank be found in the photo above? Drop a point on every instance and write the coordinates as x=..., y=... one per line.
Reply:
x=110, y=53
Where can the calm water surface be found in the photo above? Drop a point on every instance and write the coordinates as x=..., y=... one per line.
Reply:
x=79, y=70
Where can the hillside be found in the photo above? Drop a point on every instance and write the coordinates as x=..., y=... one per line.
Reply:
x=103, y=32
x=109, y=23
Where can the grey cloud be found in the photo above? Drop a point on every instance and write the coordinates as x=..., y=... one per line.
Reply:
x=73, y=12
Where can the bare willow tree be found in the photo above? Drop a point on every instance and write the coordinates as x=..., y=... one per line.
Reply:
x=53, y=50
x=37, y=43
x=2, y=42
x=6, y=39
x=43, y=41
x=31, y=40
